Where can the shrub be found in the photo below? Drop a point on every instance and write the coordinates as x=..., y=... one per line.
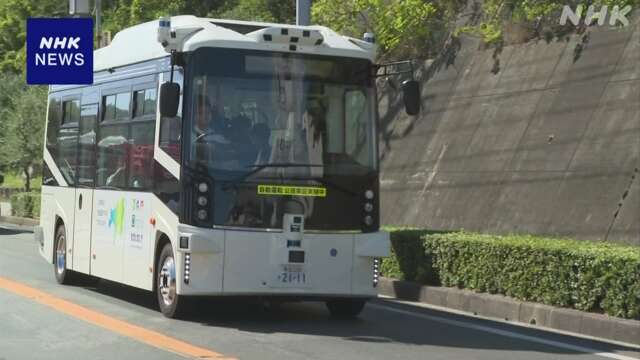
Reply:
x=583, y=275
x=408, y=260
x=25, y=204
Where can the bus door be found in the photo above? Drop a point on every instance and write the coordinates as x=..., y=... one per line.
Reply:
x=85, y=185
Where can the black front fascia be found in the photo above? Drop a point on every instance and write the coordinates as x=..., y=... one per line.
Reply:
x=242, y=204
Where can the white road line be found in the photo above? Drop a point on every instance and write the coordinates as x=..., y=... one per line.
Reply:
x=506, y=333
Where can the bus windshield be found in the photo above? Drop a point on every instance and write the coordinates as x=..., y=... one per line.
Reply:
x=260, y=114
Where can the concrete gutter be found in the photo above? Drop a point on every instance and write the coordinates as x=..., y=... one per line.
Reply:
x=508, y=309
x=19, y=221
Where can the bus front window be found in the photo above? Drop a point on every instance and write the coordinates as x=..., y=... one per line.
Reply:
x=258, y=117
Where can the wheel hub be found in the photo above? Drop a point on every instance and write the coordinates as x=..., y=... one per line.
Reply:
x=60, y=255
x=167, y=281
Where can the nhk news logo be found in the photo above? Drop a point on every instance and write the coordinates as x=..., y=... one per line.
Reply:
x=59, y=51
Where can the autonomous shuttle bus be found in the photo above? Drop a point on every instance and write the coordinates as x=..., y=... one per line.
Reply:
x=216, y=157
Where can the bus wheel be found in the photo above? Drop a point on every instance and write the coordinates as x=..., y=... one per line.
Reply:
x=168, y=299
x=345, y=308
x=63, y=275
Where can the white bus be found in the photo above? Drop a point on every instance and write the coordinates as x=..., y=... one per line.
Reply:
x=215, y=157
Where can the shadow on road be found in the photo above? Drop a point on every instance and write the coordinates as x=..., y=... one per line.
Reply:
x=375, y=325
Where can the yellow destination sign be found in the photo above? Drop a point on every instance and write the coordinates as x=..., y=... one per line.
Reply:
x=292, y=190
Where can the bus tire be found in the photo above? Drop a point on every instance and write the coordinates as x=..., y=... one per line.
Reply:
x=171, y=304
x=63, y=275
x=345, y=308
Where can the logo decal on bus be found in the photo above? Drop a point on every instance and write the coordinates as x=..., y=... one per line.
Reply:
x=116, y=218
x=292, y=190
x=59, y=51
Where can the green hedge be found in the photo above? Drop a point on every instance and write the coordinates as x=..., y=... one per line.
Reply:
x=408, y=260
x=25, y=204
x=584, y=275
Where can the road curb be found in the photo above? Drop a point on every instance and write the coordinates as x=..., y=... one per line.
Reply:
x=19, y=221
x=509, y=309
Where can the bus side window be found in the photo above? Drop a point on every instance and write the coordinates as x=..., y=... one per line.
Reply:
x=141, y=155
x=53, y=125
x=112, y=168
x=171, y=127
x=113, y=145
x=144, y=103
x=86, y=145
x=67, y=140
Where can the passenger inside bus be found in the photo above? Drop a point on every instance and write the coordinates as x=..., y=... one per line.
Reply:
x=210, y=128
x=227, y=138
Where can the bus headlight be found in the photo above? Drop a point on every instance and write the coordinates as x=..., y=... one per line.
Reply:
x=369, y=194
x=203, y=187
x=368, y=207
x=202, y=201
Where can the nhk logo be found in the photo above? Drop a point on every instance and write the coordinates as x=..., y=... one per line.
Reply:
x=617, y=15
x=59, y=51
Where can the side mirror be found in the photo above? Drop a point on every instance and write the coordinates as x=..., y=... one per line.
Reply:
x=169, y=99
x=411, y=96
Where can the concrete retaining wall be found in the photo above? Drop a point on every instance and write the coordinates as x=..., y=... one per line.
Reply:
x=537, y=138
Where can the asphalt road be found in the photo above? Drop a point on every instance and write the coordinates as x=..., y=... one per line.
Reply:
x=41, y=326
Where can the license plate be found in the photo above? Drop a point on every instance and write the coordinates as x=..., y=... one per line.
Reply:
x=290, y=275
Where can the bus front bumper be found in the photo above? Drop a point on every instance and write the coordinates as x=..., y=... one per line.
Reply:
x=243, y=262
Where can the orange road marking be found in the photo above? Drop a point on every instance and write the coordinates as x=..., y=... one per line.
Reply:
x=124, y=328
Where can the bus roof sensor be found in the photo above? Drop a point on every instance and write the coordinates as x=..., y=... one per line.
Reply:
x=300, y=37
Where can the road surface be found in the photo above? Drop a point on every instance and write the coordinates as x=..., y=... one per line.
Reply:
x=42, y=320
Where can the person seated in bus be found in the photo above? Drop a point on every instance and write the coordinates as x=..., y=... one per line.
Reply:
x=210, y=129
x=209, y=121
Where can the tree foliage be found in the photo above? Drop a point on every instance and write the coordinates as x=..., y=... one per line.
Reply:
x=13, y=25
x=537, y=14
x=404, y=27
x=277, y=11
x=22, y=133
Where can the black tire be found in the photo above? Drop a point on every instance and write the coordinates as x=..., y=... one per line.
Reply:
x=345, y=308
x=63, y=275
x=171, y=304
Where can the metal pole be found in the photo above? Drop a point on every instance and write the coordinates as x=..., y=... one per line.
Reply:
x=303, y=12
x=98, y=19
